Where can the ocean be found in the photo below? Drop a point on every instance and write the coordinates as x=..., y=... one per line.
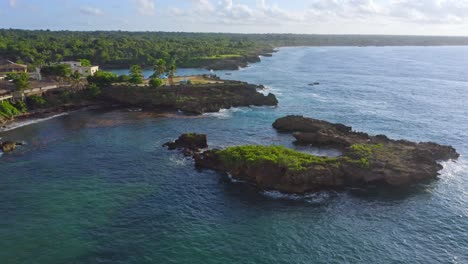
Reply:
x=97, y=186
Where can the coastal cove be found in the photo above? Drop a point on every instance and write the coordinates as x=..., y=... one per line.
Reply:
x=97, y=185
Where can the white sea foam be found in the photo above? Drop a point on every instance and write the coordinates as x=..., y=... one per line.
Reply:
x=19, y=124
x=453, y=169
x=179, y=160
x=318, y=197
x=226, y=113
x=264, y=91
x=234, y=180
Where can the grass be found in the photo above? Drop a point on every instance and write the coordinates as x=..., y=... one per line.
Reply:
x=361, y=154
x=284, y=157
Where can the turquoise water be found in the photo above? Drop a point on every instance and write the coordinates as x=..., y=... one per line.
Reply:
x=97, y=187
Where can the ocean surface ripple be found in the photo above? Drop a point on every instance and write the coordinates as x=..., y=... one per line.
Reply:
x=97, y=187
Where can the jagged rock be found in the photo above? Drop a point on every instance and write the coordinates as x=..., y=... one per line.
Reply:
x=189, y=143
x=366, y=160
x=8, y=146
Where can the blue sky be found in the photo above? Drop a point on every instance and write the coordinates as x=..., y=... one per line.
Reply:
x=414, y=17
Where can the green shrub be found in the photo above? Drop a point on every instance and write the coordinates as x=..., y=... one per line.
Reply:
x=93, y=90
x=155, y=82
x=288, y=158
x=8, y=110
x=103, y=78
x=36, y=101
x=123, y=78
x=21, y=106
x=361, y=154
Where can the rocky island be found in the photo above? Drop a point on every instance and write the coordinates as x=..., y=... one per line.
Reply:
x=196, y=99
x=366, y=160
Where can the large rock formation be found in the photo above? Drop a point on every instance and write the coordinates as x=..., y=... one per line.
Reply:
x=196, y=99
x=189, y=143
x=366, y=160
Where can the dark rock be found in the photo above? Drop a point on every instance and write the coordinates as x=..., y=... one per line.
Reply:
x=8, y=146
x=197, y=99
x=366, y=160
x=189, y=143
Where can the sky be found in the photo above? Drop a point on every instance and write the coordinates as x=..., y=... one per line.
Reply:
x=388, y=17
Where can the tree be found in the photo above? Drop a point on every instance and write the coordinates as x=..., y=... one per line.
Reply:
x=136, y=75
x=102, y=78
x=75, y=76
x=123, y=78
x=171, y=72
x=85, y=62
x=159, y=68
x=59, y=70
x=155, y=82
x=20, y=80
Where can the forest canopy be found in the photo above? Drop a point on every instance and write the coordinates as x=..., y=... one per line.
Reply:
x=122, y=49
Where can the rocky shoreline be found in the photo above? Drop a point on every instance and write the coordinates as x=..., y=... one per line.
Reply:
x=366, y=160
x=193, y=99
x=190, y=99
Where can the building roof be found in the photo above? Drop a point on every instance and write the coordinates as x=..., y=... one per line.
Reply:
x=6, y=64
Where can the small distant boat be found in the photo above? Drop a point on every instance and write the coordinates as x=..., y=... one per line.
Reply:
x=228, y=73
x=315, y=83
x=134, y=110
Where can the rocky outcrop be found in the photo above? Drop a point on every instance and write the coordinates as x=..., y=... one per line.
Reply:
x=366, y=160
x=9, y=146
x=196, y=99
x=387, y=161
x=189, y=143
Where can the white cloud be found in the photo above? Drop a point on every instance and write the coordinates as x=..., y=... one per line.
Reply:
x=176, y=11
x=202, y=6
x=353, y=16
x=145, y=7
x=432, y=11
x=13, y=3
x=89, y=10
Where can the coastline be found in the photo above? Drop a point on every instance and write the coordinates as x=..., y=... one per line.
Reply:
x=46, y=114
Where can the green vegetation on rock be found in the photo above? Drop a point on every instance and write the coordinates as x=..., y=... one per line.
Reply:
x=361, y=154
x=281, y=156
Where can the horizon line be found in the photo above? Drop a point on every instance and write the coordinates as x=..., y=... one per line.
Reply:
x=240, y=33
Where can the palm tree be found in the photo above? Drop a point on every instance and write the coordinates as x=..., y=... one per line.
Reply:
x=159, y=68
x=171, y=72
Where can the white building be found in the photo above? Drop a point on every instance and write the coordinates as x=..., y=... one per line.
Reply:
x=83, y=70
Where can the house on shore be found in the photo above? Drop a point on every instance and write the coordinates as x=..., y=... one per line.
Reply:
x=7, y=66
x=82, y=70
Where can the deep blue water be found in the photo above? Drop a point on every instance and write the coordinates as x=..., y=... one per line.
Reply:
x=97, y=187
